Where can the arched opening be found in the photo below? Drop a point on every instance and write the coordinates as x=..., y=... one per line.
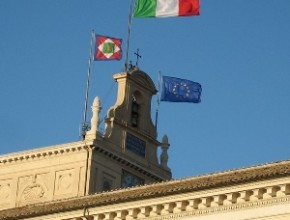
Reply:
x=136, y=109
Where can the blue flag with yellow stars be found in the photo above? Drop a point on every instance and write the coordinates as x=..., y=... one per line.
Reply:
x=180, y=90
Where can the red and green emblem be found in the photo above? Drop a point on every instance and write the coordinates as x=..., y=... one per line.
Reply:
x=108, y=48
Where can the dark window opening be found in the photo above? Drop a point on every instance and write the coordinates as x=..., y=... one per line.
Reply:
x=135, y=113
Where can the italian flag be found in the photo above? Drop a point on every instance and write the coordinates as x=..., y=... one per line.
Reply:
x=166, y=8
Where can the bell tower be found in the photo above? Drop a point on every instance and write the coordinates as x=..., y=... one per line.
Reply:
x=129, y=122
x=126, y=154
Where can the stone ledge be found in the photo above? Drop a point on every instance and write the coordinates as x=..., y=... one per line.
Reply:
x=44, y=152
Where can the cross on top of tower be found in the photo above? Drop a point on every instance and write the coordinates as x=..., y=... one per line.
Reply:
x=138, y=56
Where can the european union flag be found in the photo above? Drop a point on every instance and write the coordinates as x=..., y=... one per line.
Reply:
x=180, y=90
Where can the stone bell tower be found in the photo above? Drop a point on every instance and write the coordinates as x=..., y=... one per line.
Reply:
x=129, y=121
x=126, y=154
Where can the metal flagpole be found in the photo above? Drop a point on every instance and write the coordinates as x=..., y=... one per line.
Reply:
x=131, y=2
x=84, y=125
x=157, y=101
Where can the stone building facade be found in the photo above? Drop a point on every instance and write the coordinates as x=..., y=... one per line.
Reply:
x=257, y=193
x=118, y=175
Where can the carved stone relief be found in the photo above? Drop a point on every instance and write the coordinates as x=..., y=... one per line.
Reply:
x=32, y=188
x=64, y=181
x=33, y=192
x=5, y=190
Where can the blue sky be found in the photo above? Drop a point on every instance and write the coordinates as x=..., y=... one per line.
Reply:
x=239, y=51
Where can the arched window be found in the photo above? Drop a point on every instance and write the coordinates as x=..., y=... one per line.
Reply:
x=134, y=112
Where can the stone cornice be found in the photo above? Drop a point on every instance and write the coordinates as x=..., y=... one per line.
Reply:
x=40, y=153
x=264, y=183
x=44, y=152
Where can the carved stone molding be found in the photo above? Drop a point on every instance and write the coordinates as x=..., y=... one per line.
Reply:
x=44, y=152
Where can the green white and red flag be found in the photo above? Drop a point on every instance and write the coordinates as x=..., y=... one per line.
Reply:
x=166, y=8
x=108, y=48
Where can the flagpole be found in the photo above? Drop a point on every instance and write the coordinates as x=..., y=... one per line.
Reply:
x=131, y=3
x=84, y=125
x=157, y=102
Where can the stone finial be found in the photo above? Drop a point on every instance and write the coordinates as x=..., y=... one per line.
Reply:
x=164, y=155
x=95, y=120
x=96, y=109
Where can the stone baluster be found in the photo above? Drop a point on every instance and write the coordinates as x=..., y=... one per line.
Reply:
x=192, y=204
x=110, y=216
x=180, y=206
x=156, y=210
x=244, y=196
x=205, y=202
x=270, y=192
x=217, y=200
x=257, y=194
x=144, y=212
x=231, y=198
x=120, y=215
x=99, y=217
x=107, y=216
x=283, y=190
x=171, y=207
x=168, y=208
x=133, y=213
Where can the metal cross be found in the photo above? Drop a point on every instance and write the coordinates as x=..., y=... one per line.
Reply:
x=138, y=56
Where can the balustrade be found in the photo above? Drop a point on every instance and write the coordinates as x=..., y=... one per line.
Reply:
x=195, y=204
